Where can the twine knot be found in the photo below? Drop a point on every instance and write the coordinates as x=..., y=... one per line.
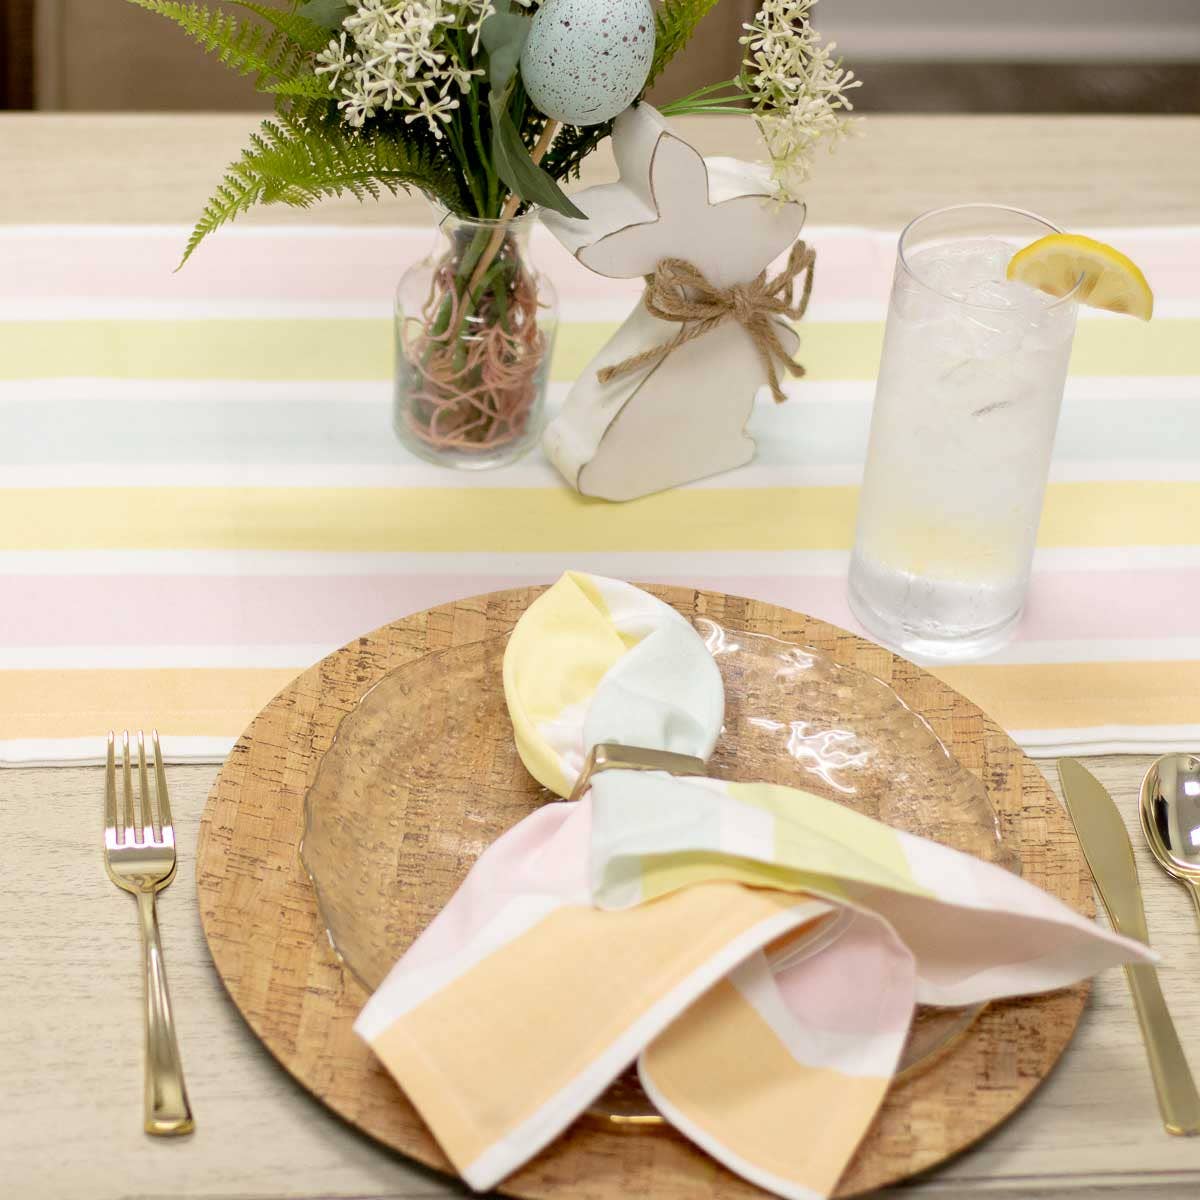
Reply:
x=679, y=292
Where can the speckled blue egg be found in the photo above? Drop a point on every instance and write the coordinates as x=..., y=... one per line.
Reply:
x=586, y=60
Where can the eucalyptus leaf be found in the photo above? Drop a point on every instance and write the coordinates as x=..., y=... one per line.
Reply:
x=503, y=36
x=525, y=178
x=329, y=14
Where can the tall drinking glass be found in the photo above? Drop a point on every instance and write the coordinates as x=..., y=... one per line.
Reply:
x=970, y=386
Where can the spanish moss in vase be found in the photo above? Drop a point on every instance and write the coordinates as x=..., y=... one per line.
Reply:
x=473, y=345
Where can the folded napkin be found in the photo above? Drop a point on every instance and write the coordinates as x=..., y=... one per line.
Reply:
x=756, y=949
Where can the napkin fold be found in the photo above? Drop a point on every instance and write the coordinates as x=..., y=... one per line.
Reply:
x=757, y=950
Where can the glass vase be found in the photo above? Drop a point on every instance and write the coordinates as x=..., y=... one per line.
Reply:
x=475, y=325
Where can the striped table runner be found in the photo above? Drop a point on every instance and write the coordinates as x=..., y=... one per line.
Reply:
x=200, y=493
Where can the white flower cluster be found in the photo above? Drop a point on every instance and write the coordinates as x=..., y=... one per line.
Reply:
x=798, y=89
x=399, y=54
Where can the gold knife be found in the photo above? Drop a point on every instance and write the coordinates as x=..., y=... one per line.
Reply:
x=1109, y=854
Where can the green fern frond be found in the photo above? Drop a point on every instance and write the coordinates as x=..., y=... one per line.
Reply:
x=674, y=24
x=314, y=87
x=305, y=34
x=291, y=161
x=272, y=55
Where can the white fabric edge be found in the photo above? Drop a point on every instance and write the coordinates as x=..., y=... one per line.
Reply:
x=506, y=1155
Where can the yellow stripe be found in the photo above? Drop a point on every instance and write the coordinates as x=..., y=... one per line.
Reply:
x=533, y=519
x=1082, y=695
x=361, y=349
x=197, y=702
x=419, y=519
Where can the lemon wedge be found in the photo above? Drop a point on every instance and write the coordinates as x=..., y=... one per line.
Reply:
x=1110, y=280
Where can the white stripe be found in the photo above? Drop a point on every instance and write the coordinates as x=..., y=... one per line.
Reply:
x=103, y=389
x=1116, y=558
x=572, y=309
x=532, y=472
x=475, y=567
x=1161, y=470
x=1124, y=387
x=17, y=310
x=1107, y=739
x=223, y=656
x=270, y=231
x=642, y=565
x=1080, y=389
x=90, y=751
x=335, y=231
x=504, y=1156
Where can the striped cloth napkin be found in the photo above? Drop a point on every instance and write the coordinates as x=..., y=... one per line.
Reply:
x=200, y=494
x=666, y=920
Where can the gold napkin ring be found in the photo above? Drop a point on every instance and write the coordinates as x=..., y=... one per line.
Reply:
x=609, y=756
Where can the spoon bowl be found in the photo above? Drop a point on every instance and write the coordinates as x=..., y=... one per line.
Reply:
x=1170, y=806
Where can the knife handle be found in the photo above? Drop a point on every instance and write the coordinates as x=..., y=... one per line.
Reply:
x=1178, y=1100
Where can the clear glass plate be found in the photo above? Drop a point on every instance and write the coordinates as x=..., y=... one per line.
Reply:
x=423, y=775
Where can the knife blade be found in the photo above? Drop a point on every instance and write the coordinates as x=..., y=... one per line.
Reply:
x=1109, y=854
x=1106, y=846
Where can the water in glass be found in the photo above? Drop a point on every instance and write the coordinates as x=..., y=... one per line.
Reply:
x=969, y=390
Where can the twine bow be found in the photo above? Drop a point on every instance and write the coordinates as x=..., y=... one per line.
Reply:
x=678, y=291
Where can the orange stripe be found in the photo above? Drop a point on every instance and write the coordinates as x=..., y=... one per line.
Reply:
x=221, y=702
x=727, y=1071
x=201, y=702
x=570, y=985
x=1082, y=695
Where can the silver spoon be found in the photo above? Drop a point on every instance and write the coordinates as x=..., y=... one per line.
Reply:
x=1170, y=806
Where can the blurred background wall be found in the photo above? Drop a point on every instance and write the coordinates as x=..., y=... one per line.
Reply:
x=915, y=55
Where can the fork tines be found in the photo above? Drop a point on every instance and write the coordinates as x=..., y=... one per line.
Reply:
x=128, y=821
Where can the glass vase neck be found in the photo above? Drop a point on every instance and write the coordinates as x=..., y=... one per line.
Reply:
x=452, y=225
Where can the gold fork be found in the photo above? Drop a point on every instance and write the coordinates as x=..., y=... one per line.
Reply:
x=139, y=855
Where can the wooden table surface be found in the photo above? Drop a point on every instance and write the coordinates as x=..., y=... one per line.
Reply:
x=70, y=1004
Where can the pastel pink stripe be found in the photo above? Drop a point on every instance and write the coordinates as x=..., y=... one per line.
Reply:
x=219, y=610
x=545, y=854
x=1062, y=606
x=312, y=267
x=363, y=265
x=329, y=610
x=863, y=984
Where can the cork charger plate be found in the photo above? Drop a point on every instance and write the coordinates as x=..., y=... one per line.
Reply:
x=268, y=940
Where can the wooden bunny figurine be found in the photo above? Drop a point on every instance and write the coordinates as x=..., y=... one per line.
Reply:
x=681, y=415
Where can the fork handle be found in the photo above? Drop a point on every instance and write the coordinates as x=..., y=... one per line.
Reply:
x=167, y=1110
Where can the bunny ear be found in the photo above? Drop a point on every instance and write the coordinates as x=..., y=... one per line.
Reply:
x=676, y=189
x=596, y=660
